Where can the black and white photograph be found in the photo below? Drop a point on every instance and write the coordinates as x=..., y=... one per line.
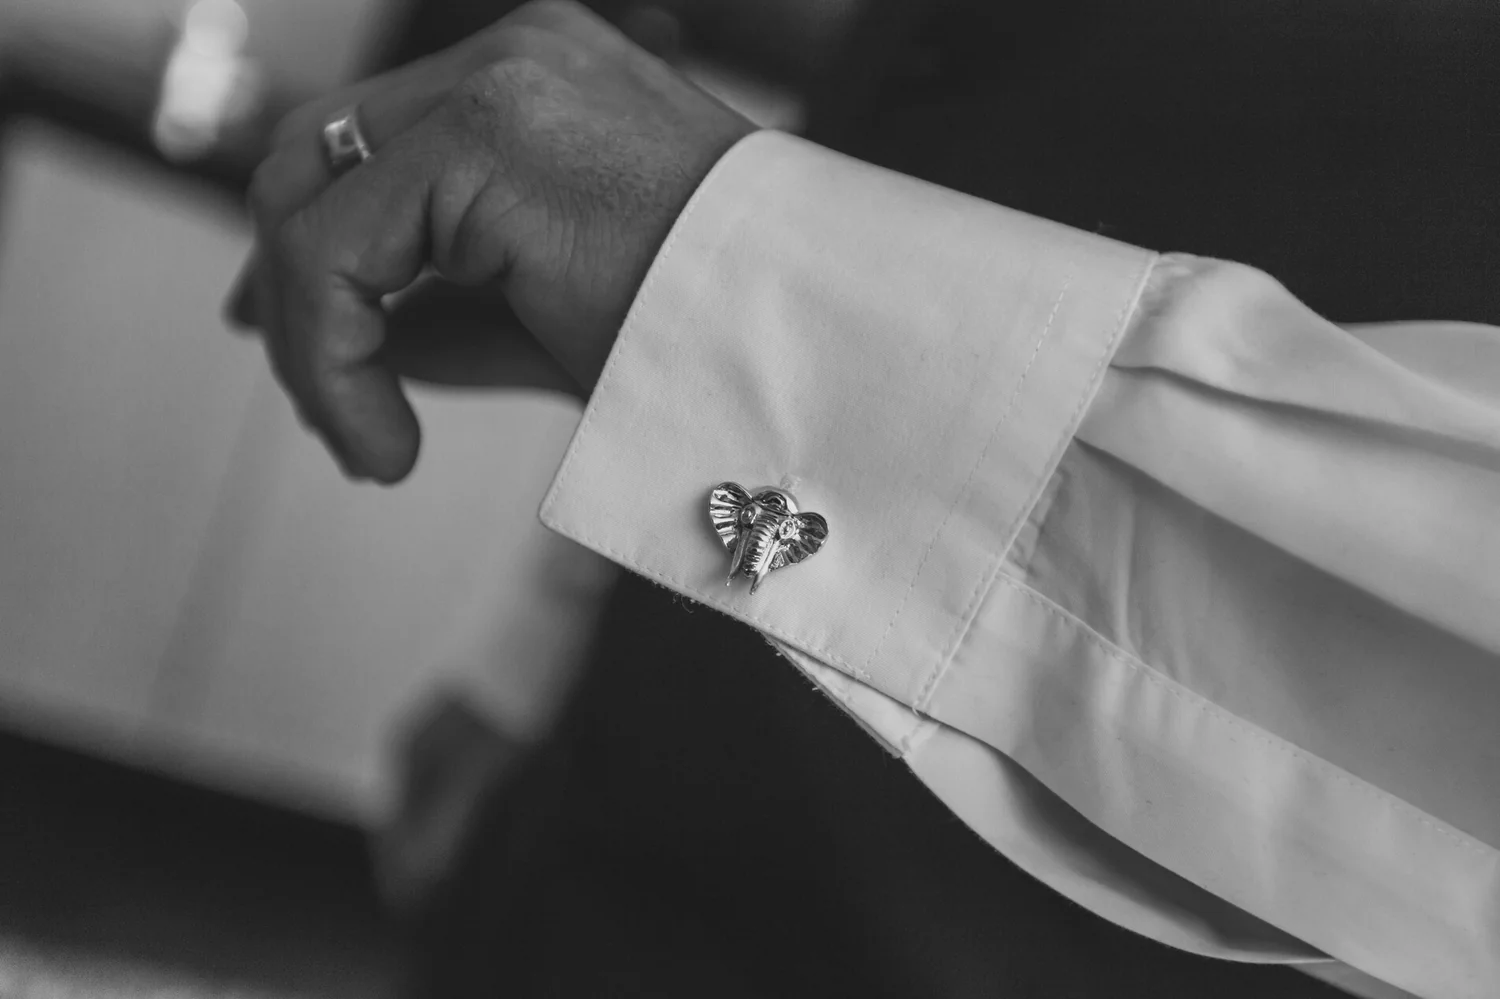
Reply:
x=749, y=499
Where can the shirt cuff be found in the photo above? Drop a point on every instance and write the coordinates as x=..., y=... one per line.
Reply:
x=910, y=362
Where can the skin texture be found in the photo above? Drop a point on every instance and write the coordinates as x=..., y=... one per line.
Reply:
x=534, y=171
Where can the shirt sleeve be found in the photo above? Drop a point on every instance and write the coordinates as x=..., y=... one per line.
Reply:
x=1178, y=594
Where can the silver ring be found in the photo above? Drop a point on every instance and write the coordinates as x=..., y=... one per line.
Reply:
x=344, y=142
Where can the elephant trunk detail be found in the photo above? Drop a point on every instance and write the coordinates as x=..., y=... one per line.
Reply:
x=756, y=549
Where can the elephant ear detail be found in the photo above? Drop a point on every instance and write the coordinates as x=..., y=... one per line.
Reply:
x=726, y=505
x=801, y=535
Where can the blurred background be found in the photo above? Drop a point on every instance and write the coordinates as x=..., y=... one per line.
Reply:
x=222, y=667
x=245, y=705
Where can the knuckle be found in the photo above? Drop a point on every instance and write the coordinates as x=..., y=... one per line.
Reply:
x=470, y=100
x=478, y=86
x=503, y=76
x=485, y=94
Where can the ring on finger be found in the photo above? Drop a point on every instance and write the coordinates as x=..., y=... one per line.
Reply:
x=344, y=142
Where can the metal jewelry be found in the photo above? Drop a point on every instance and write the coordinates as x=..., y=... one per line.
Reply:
x=344, y=142
x=763, y=531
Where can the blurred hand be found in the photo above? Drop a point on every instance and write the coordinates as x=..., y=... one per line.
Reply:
x=543, y=161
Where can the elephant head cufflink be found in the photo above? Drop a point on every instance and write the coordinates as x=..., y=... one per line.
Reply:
x=763, y=531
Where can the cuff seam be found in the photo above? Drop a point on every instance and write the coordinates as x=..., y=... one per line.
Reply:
x=986, y=581
x=925, y=691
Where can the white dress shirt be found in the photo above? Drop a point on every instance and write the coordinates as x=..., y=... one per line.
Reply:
x=1221, y=576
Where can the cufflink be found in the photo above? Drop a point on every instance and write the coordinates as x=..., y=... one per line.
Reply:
x=762, y=531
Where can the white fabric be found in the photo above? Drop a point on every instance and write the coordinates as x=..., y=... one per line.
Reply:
x=1131, y=558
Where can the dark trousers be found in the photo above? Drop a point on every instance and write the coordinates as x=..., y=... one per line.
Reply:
x=705, y=823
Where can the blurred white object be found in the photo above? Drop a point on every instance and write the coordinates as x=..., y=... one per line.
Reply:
x=209, y=85
x=186, y=582
x=110, y=53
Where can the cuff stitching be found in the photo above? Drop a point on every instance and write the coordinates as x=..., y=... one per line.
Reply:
x=963, y=491
x=986, y=578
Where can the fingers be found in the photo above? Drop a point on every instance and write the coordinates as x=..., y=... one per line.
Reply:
x=389, y=104
x=297, y=171
x=332, y=248
x=333, y=262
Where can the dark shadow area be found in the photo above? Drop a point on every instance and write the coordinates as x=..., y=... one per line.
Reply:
x=102, y=860
x=1349, y=148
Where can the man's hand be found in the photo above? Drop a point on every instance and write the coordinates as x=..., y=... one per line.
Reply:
x=544, y=160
